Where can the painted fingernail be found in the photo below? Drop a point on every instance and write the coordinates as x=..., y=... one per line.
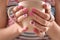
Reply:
x=31, y=13
x=35, y=30
x=20, y=7
x=25, y=10
x=17, y=1
x=45, y=0
x=25, y=29
x=25, y=15
x=33, y=9
x=12, y=15
x=44, y=6
x=32, y=22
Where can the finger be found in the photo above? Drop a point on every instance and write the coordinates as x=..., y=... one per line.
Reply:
x=36, y=31
x=21, y=18
x=38, y=26
x=39, y=20
x=25, y=28
x=21, y=12
x=47, y=8
x=15, y=9
x=41, y=14
x=20, y=29
x=17, y=27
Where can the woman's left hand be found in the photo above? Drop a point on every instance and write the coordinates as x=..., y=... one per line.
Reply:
x=41, y=21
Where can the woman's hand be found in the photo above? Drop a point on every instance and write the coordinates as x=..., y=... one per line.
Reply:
x=42, y=21
x=14, y=28
x=20, y=13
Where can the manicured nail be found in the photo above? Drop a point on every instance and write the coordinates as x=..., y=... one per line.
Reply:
x=44, y=6
x=33, y=9
x=17, y=1
x=45, y=0
x=41, y=31
x=32, y=22
x=25, y=10
x=25, y=15
x=25, y=29
x=31, y=13
x=20, y=7
x=35, y=30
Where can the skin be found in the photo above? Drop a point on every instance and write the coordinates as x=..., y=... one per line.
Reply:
x=13, y=30
x=30, y=5
x=3, y=15
x=55, y=27
x=52, y=24
x=57, y=7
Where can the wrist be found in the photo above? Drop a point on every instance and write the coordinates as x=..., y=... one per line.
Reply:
x=53, y=30
x=12, y=31
x=53, y=25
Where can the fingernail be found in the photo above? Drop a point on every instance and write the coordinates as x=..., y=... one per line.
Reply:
x=45, y=0
x=35, y=30
x=25, y=15
x=25, y=10
x=25, y=29
x=20, y=7
x=17, y=1
x=33, y=9
x=32, y=22
x=31, y=13
x=44, y=6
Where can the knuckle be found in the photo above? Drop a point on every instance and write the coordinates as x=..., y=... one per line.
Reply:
x=47, y=17
x=15, y=8
x=45, y=23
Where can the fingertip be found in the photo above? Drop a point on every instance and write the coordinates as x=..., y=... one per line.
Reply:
x=25, y=29
x=36, y=30
x=31, y=13
x=33, y=9
x=25, y=15
x=25, y=10
x=19, y=7
x=16, y=8
x=44, y=6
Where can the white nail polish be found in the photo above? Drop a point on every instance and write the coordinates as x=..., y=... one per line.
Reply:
x=25, y=15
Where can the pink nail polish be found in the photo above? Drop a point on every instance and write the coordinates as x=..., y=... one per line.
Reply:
x=25, y=10
x=31, y=13
x=35, y=30
x=33, y=9
x=20, y=7
x=25, y=29
x=44, y=6
x=45, y=0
